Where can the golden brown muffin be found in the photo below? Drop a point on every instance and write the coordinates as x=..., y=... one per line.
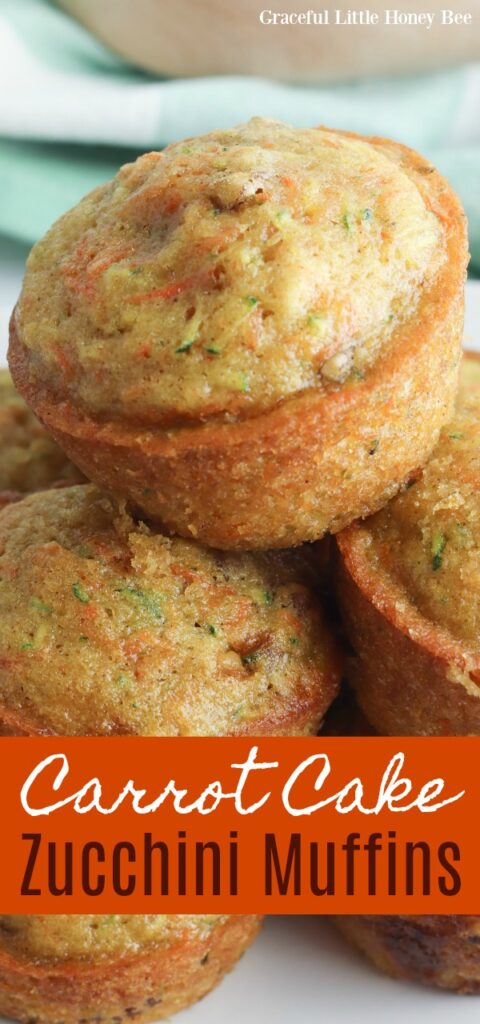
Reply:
x=409, y=587
x=253, y=336
x=441, y=950
x=106, y=627
x=73, y=969
x=29, y=459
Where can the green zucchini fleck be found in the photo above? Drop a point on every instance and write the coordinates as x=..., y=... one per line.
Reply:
x=186, y=346
x=40, y=606
x=346, y=221
x=80, y=593
x=143, y=599
x=438, y=547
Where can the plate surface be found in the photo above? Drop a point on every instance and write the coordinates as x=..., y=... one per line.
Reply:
x=300, y=971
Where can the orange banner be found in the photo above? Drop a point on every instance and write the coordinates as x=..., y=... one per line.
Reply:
x=240, y=825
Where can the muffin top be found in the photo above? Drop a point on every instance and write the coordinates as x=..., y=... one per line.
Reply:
x=106, y=627
x=29, y=459
x=230, y=272
x=47, y=937
x=428, y=538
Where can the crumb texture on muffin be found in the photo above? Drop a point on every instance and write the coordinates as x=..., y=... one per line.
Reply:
x=108, y=627
x=29, y=459
x=229, y=272
x=81, y=937
x=109, y=969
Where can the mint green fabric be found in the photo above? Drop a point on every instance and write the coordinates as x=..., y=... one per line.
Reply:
x=72, y=112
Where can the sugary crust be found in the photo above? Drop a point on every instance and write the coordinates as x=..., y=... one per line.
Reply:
x=440, y=950
x=314, y=462
x=411, y=676
x=148, y=986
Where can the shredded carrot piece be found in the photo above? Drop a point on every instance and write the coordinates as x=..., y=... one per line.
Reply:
x=330, y=143
x=64, y=362
x=183, y=572
x=136, y=644
x=98, y=266
x=442, y=215
x=145, y=350
x=89, y=611
x=75, y=269
x=170, y=291
x=220, y=240
x=292, y=621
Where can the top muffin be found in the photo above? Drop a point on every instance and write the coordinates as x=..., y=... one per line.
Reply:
x=428, y=539
x=228, y=273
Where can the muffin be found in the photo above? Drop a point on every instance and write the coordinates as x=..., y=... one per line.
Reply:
x=108, y=628
x=253, y=336
x=409, y=587
x=73, y=969
x=29, y=459
x=442, y=950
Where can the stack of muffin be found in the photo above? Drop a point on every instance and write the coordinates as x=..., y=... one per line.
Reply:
x=246, y=342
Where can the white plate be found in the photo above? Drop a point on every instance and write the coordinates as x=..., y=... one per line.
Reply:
x=300, y=971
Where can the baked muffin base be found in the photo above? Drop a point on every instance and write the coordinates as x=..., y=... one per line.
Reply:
x=149, y=986
x=410, y=678
x=439, y=950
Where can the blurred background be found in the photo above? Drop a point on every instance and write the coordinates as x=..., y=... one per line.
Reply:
x=86, y=85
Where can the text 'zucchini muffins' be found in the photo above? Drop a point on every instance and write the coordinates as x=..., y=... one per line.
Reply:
x=29, y=459
x=254, y=335
x=106, y=627
x=106, y=969
x=409, y=586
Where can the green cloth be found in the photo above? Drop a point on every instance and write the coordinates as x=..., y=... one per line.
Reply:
x=74, y=112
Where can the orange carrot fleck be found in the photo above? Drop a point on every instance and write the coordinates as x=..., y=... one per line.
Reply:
x=292, y=621
x=145, y=350
x=90, y=611
x=183, y=572
x=96, y=267
x=64, y=361
x=170, y=291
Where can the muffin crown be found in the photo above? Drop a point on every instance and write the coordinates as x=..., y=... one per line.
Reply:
x=106, y=627
x=60, y=937
x=230, y=272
